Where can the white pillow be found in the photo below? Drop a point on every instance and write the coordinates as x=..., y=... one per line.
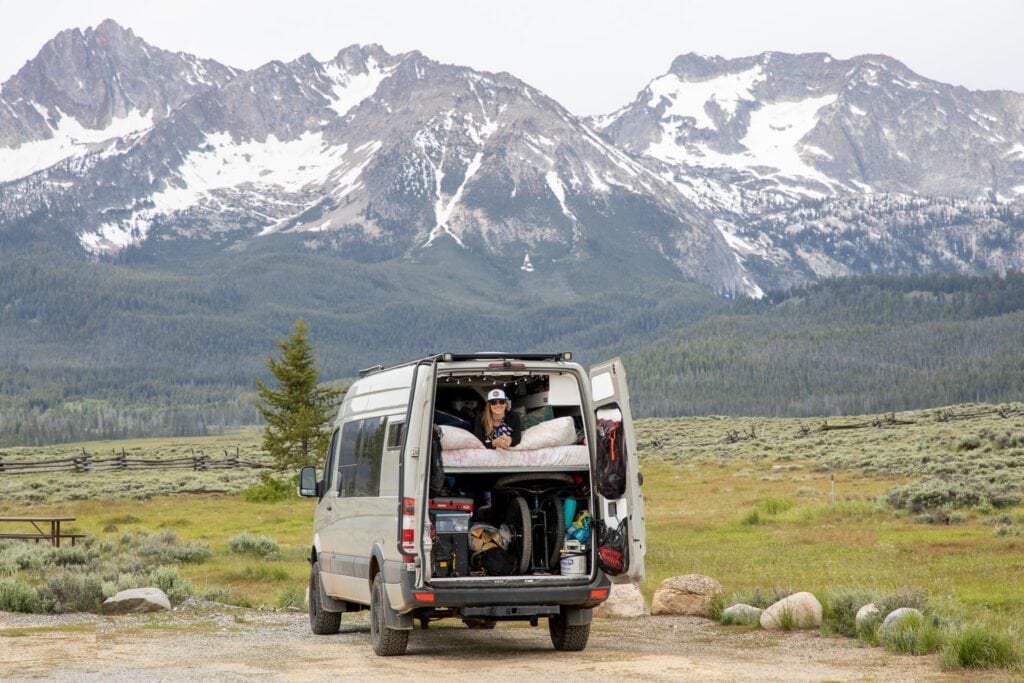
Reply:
x=558, y=432
x=454, y=438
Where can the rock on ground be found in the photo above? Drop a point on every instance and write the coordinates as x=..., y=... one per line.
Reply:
x=803, y=609
x=137, y=600
x=688, y=595
x=865, y=613
x=625, y=600
x=898, y=615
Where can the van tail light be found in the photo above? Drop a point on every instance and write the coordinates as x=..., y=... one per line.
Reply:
x=409, y=525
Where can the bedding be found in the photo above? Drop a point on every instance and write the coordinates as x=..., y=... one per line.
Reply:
x=558, y=432
x=552, y=457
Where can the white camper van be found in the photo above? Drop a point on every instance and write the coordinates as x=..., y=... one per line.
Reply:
x=416, y=520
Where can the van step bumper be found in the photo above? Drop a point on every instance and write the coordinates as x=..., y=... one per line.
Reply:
x=509, y=596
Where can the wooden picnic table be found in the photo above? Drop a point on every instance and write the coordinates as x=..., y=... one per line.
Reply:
x=54, y=534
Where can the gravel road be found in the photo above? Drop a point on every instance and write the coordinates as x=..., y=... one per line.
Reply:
x=203, y=643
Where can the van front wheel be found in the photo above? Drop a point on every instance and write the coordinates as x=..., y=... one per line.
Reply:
x=568, y=638
x=387, y=642
x=322, y=623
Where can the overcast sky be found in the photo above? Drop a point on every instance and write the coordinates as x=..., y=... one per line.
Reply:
x=593, y=56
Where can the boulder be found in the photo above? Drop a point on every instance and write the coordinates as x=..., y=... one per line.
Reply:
x=691, y=595
x=625, y=600
x=864, y=613
x=898, y=615
x=800, y=610
x=741, y=614
x=137, y=600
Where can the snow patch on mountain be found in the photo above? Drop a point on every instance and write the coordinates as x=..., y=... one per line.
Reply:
x=555, y=185
x=224, y=163
x=772, y=143
x=690, y=98
x=350, y=89
x=69, y=138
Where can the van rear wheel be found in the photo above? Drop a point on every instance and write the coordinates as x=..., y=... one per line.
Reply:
x=387, y=642
x=568, y=638
x=322, y=623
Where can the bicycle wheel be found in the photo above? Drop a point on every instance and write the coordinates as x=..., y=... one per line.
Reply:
x=520, y=548
x=554, y=529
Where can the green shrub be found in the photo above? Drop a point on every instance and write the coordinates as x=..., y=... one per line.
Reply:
x=774, y=506
x=165, y=548
x=968, y=443
x=761, y=599
x=1006, y=530
x=16, y=596
x=753, y=518
x=71, y=591
x=270, y=489
x=216, y=594
x=177, y=588
x=263, y=572
x=916, y=598
x=977, y=648
x=913, y=634
x=716, y=607
x=75, y=555
x=839, y=611
x=21, y=555
x=934, y=493
x=258, y=546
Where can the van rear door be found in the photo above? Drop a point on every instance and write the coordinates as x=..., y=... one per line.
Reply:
x=610, y=397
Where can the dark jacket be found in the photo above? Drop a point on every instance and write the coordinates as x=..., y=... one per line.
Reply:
x=511, y=419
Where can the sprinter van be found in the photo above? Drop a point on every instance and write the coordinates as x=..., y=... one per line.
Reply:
x=417, y=521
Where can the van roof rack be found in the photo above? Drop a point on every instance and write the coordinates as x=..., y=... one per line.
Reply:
x=479, y=355
x=501, y=355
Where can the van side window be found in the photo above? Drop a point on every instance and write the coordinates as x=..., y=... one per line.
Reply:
x=330, y=458
x=396, y=435
x=362, y=448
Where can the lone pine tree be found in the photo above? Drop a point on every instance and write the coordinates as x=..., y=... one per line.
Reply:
x=297, y=411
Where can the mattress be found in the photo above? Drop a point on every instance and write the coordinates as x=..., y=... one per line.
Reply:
x=573, y=457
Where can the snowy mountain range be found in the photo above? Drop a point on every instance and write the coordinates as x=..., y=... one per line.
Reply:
x=743, y=174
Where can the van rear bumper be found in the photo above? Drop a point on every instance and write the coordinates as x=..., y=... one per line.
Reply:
x=506, y=601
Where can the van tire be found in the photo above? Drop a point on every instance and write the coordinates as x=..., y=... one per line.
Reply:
x=322, y=623
x=568, y=638
x=519, y=519
x=387, y=642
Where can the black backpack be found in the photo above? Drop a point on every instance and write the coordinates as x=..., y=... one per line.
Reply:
x=611, y=461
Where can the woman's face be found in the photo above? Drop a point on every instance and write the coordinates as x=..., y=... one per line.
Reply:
x=497, y=408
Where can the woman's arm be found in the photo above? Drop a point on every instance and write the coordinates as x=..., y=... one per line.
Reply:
x=478, y=430
x=516, y=424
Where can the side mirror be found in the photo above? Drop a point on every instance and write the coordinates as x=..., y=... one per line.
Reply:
x=309, y=487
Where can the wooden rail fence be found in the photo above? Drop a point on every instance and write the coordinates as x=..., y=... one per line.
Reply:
x=85, y=462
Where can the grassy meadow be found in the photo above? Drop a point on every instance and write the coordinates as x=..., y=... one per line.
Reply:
x=926, y=503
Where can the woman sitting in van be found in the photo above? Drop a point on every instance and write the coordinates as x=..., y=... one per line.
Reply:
x=497, y=426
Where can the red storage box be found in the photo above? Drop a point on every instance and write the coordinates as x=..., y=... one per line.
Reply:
x=455, y=504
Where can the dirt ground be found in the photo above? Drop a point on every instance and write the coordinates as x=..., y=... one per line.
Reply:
x=231, y=644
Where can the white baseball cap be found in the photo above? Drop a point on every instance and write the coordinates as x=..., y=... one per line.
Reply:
x=497, y=395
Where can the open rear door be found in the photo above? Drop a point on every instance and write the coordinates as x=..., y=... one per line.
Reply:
x=610, y=397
